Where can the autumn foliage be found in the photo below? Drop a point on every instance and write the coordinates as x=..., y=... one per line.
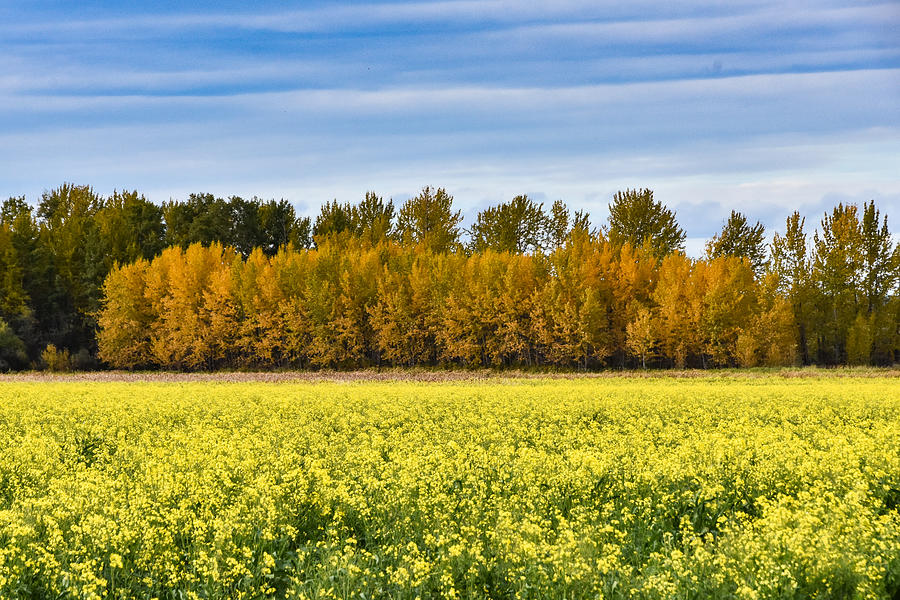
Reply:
x=209, y=283
x=350, y=303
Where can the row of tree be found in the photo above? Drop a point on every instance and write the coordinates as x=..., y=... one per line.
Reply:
x=349, y=303
x=55, y=256
x=838, y=287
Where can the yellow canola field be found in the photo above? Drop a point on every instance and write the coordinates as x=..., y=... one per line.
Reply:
x=728, y=487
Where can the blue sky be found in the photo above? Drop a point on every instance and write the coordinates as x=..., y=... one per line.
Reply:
x=760, y=106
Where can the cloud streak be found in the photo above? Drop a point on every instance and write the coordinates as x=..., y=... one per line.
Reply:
x=752, y=104
x=338, y=17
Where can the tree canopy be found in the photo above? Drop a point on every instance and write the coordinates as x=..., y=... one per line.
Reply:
x=209, y=282
x=516, y=226
x=637, y=219
x=429, y=219
x=739, y=239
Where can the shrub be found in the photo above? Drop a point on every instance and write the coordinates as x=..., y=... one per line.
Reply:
x=56, y=360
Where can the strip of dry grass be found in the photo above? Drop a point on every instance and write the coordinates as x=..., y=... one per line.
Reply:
x=426, y=375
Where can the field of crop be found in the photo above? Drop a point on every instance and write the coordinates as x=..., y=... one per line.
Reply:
x=732, y=487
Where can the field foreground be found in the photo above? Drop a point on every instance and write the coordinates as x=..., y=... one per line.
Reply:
x=582, y=488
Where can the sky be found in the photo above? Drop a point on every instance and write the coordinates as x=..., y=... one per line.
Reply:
x=763, y=107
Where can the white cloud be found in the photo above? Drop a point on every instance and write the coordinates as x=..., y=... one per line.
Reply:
x=747, y=89
x=488, y=111
x=766, y=177
x=632, y=17
x=670, y=30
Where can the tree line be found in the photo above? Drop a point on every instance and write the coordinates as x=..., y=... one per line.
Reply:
x=209, y=283
x=55, y=256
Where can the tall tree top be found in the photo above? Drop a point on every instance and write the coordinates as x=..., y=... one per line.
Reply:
x=738, y=238
x=517, y=226
x=637, y=219
x=429, y=219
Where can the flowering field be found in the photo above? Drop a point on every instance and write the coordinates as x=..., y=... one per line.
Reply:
x=584, y=488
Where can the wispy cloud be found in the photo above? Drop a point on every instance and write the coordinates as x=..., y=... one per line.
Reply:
x=329, y=18
x=754, y=104
x=806, y=100
x=641, y=21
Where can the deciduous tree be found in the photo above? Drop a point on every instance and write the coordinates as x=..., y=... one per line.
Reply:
x=837, y=271
x=738, y=238
x=791, y=267
x=429, y=219
x=517, y=226
x=637, y=219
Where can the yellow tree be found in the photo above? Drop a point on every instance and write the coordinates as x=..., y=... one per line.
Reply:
x=126, y=317
x=156, y=293
x=471, y=317
x=729, y=305
x=769, y=339
x=342, y=288
x=636, y=270
x=678, y=309
x=573, y=316
x=220, y=313
x=640, y=337
x=392, y=318
x=404, y=316
x=261, y=332
x=178, y=341
x=524, y=276
x=293, y=270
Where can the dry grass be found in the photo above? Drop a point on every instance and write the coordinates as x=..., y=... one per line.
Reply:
x=434, y=375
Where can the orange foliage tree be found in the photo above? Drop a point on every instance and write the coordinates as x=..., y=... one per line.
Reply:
x=353, y=302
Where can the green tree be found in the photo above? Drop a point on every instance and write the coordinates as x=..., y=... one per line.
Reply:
x=202, y=218
x=880, y=276
x=67, y=217
x=880, y=259
x=373, y=219
x=837, y=270
x=334, y=218
x=557, y=224
x=860, y=340
x=13, y=297
x=279, y=226
x=429, y=219
x=637, y=219
x=738, y=238
x=131, y=227
x=38, y=276
x=301, y=234
x=791, y=266
x=245, y=231
x=13, y=304
x=12, y=349
x=518, y=226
